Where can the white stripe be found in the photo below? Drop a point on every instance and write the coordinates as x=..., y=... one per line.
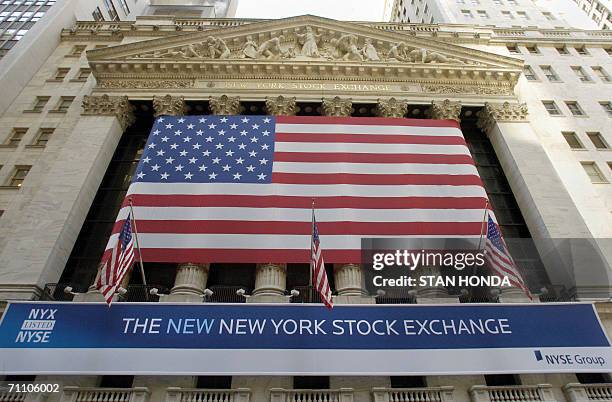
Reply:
x=366, y=129
x=356, y=148
x=374, y=168
x=257, y=241
x=304, y=214
x=311, y=190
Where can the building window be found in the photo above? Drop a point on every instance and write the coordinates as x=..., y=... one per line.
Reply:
x=562, y=50
x=467, y=14
x=609, y=51
x=60, y=74
x=529, y=74
x=16, y=136
x=508, y=15
x=552, y=108
x=533, y=49
x=513, y=49
x=572, y=140
x=214, y=382
x=548, y=16
x=498, y=2
x=97, y=14
x=598, y=140
x=39, y=104
x=593, y=172
x=19, y=175
x=607, y=107
x=502, y=380
x=77, y=50
x=574, y=108
x=408, y=381
x=550, y=73
x=581, y=74
x=83, y=74
x=63, y=104
x=116, y=381
x=512, y=2
x=601, y=73
x=311, y=382
x=581, y=50
x=475, y=2
x=124, y=6
x=523, y=15
x=482, y=14
x=112, y=11
x=43, y=137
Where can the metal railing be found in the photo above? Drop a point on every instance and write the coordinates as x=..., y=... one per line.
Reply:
x=6, y=396
x=142, y=293
x=588, y=392
x=512, y=393
x=174, y=394
x=227, y=294
x=135, y=293
x=397, y=296
x=91, y=394
x=311, y=395
x=308, y=294
x=428, y=394
x=55, y=292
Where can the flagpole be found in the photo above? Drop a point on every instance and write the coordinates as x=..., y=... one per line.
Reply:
x=312, y=227
x=483, y=225
x=142, y=272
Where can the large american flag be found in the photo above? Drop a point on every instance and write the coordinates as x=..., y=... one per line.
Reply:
x=116, y=263
x=499, y=258
x=240, y=188
x=317, y=266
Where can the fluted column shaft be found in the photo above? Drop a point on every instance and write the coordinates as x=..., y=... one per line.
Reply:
x=348, y=279
x=270, y=279
x=190, y=279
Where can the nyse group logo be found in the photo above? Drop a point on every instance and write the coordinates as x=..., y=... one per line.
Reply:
x=37, y=328
x=568, y=359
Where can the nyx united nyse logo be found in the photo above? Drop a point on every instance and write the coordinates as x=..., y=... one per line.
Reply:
x=37, y=328
x=568, y=359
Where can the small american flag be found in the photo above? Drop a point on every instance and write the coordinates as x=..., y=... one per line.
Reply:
x=116, y=263
x=499, y=258
x=319, y=276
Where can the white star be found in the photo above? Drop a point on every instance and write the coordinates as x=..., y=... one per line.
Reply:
x=169, y=125
x=155, y=167
x=212, y=125
x=164, y=176
x=170, y=160
x=199, y=132
x=179, y=168
x=245, y=120
x=231, y=139
x=219, y=146
x=202, y=120
x=212, y=176
x=181, y=120
x=206, y=153
x=239, y=161
x=140, y=175
x=250, y=168
x=229, y=153
x=253, y=139
x=266, y=120
x=146, y=160
x=161, y=152
x=152, y=145
x=188, y=176
x=237, y=176
x=221, y=132
x=265, y=146
x=241, y=146
x=266, y=133
x=193, y=160
x=255, y=126
x=263, y=161
x=178, y=132
x=209, y=139
x=216, y=160
x=224, y=120
x=234, y=126
x=243, y=132
x=252, y=154
x=183, y=153
x=226, y=168
x=155, y=132
x=165, y=139
x=190, y=126
x=187, y=139
x=196, y=146
x=261, y=176
x=173, y=146
x=203, y=168
x=160, y=119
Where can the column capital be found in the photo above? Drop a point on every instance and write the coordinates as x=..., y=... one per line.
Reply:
x=505, y=112
x=281, y=106
x=446, y=110
x=105, y=105
x=337, y=107
x=224, y=105
x=391, y=107
x=169, y=105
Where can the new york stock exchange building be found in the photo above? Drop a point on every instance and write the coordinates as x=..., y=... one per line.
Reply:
x=218, y=319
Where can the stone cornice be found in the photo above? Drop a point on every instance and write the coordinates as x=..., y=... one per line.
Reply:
x=105, y=105
x=501, y=113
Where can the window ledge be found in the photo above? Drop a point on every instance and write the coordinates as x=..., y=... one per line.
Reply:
x=78, y=80
x=54, y=80
x=58, y=111
x=580, y=116
x=32, y=111
x=34, y=146
x=9, y=187
x=9, y=146
x=74, y=56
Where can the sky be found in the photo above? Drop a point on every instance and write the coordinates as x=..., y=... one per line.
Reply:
x=347, y=10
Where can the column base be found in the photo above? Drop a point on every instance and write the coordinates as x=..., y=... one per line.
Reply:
x=446, y=299
x=354, y=299
x=267, y=298
x=181, y=298
x=92, y=296
x=514, y=295
x=20, y=292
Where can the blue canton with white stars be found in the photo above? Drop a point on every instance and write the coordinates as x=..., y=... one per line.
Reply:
x=126, y=232
x=208, y=149
x=494, y=235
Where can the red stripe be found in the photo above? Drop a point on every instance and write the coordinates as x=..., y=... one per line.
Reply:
x=380, y=179
x=350, y=157
x=304, y=228
x=271, y=201
x=250, y=256
x=369, y=139
x=368, y=121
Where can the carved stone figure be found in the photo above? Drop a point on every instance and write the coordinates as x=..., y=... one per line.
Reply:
x=369, y=51
x=217, y=49
x=397, y=52
x=309, y=40
x=271, y=49
x=249, y=49
x=346, y=48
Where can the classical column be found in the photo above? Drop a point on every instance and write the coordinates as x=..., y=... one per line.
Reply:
x=169, y=105
x=337, y=107
x=224, y=105
x=445, y=110
x=189, y=283
x=548, y=208
x=281, y=106
x=270, y=283
x=348, y=279
x=391, y=107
